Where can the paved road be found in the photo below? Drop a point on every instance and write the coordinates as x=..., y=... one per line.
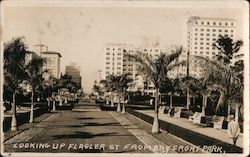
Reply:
x=87, y=129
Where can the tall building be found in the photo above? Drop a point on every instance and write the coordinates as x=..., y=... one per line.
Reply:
x=201, y=34
x=73, y=70
x=52, y=63
x=117, y=62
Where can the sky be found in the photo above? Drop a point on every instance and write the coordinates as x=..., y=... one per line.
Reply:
x=79, y=31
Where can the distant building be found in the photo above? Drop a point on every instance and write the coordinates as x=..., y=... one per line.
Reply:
x=202, y=33
x=52, y=63
x=73, y=70
x=116, y=62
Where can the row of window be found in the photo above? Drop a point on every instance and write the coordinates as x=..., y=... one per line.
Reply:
x=202, y=34
x=214, y=30
x=118, y=58
x=108, y=48
x=201, y=52
x=108, y=53
x=215, y=23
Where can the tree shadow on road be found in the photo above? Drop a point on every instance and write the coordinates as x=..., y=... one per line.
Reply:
x=80, y=135
x=93, y=124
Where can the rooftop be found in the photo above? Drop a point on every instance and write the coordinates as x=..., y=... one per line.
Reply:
x=51, y=52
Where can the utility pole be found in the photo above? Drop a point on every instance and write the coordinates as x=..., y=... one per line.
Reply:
x=41, y=46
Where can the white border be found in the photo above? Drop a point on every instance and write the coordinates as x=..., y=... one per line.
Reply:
x=143, y=4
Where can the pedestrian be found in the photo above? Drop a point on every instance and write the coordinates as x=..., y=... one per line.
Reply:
x=233, y=130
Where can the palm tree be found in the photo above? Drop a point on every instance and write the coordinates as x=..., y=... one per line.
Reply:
x=108, y=84
x=155, y=70
x=223, y=78
x=121, y=83
x=15, y=53
x=34, y=77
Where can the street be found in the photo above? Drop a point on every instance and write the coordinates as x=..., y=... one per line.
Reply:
x=86, y=129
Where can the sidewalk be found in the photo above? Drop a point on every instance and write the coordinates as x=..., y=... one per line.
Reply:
x=194, y=133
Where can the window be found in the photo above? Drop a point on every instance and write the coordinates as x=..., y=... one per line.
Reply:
x=214, y=30
x=156, y=50
x=207, y=48
x=118, y=63
x=107, y=67
x=202, y=34
x=195, y=43
x=220, y=30
x=207, y=39
x=108, y=63
x=232, y=24
x=201, y=48
x=207, y=52
x=202, y=23
x=107, y=73
x=107, y=48
x=207, y=44
x=213, y=53
x=214, y=23
x=226, y=23
x=208, y=30
x=107, y=53
x=201, y=38
x=195, y=52
x=118, y=68
x=213, y=48
x=232, y=31
x=119, y=49
x=145, y=50
x=196, y=29
x=232, y=35
x=220, y=23
x=226, y=30
x=201, y=43
x=119, y=54
x=202, y=29
x=208, y=23
x=113, y=48
x=107, y=58
x=119, y=58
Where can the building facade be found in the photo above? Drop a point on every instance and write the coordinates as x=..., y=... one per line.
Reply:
x=73, y=70
x=52, y=63
x=201, y=34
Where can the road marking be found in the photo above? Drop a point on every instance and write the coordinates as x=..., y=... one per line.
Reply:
x=142, y=135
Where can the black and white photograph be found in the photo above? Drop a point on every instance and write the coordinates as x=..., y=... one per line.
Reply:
x=139, y=78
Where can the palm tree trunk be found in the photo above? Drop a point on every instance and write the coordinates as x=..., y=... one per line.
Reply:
x=171, y=101
x=204, y=104
x=155, y=127
x=123, y=104
x=112, y=100
x=32, y=107
x=13, y=120
x=220, y=101
x=237, y=113
x=48, y=99
x=119, y=104
x=188, y=98
x=228, y=112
